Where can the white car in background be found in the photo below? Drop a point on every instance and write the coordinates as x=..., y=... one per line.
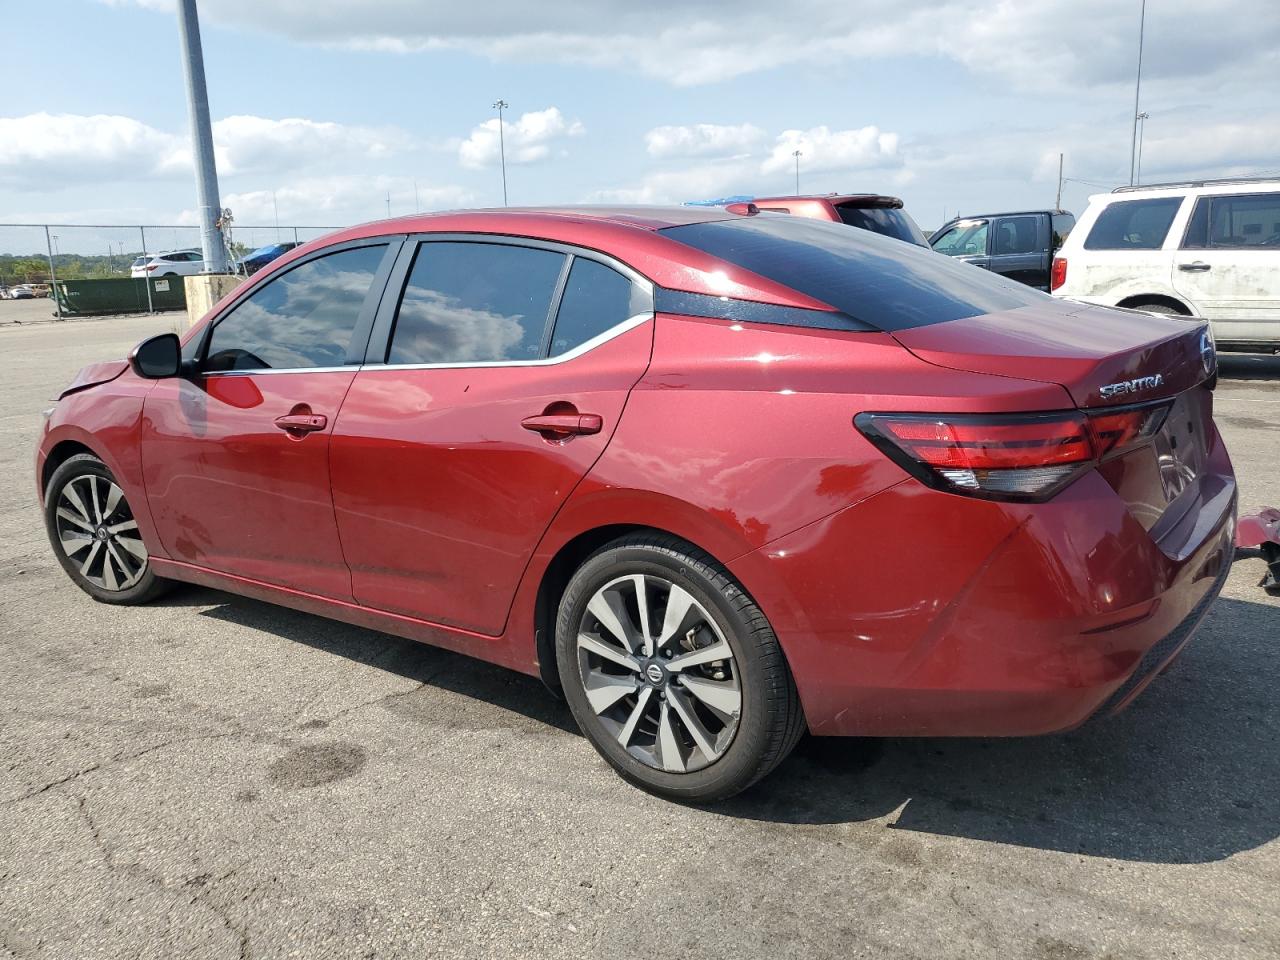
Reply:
x=176, y=263
x=1208, y=248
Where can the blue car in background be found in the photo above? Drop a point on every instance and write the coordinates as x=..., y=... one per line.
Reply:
x=253, y=262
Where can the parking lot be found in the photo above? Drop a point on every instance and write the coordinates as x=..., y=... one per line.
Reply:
x=214, y=777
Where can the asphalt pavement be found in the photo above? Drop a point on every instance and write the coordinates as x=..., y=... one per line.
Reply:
x=210, y=776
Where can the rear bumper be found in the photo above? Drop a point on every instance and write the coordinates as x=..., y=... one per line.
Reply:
x=920, y=613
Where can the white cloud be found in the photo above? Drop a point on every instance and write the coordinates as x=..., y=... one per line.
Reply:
x=247, y=144
x=702, y=140
x=337, y=200
x=1049, y=44
x=44, y=148
x=823, y=149
x=530, y=139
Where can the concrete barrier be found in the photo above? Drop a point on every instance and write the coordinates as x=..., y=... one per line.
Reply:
x=203, y=291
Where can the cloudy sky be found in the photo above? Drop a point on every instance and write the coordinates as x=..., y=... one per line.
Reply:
x=331, y=105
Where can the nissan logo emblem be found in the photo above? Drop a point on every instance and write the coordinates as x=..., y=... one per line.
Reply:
x=1207, y=359
x=654, y=673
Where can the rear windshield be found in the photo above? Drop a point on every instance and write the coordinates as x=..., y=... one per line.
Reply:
x=883, y=283
x=890, y=221
x=1133, y=224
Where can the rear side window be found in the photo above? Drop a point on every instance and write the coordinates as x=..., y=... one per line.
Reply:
x=1062, y=224
x=475, y=303
x=303, y=318
x=1133, y=224
x=883, y=283
x=1015, y=235
x=1235, y=223
x=596, y=298
x=889, y=221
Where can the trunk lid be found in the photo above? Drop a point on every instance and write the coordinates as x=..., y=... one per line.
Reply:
x=1102, y=356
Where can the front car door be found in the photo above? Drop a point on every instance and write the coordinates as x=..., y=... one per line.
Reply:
x=965, y=240
x=496, y=375
x=236, y=455
x=1228, y=265
x=1020, y=250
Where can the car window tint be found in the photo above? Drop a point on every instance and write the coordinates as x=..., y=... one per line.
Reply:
x=890, y=221
x=303, y=318
x=1241, y=222
x=1197, y=235
x=1015, y=235
x=966, y=239
x=1062, y=224
x=595, y=299
x=880, y=282
x=475, y=303
x=1133, y=224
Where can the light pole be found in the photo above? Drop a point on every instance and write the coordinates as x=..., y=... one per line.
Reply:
x=501, y=105
x=1142, y=128
x=796, y=154
x=1137, y=93
x=211, y=242
x=54, y=238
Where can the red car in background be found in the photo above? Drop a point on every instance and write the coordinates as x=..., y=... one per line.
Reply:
x=719, y=478
x=867, y=211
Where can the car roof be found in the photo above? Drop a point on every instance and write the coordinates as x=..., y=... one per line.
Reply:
x=637, y=215
x=1010, y=213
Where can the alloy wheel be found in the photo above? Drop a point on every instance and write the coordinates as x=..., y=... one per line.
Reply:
x=98, y=532
x=658, y=673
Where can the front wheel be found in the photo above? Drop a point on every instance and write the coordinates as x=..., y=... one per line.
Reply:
x=672, y=671
x=95, y=535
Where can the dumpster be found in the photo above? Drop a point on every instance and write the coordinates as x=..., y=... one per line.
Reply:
x=119, y=295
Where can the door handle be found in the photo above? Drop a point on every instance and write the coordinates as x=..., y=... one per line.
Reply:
x=564, y=424
x=302, y=422
x=1198, y=266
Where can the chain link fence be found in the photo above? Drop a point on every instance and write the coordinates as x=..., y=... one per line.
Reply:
x=38, y=255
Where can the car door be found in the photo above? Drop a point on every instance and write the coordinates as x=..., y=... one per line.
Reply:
x=1019, y=250
x=965, y=240
x=236, y=454
x=1228, y=265
x=495, y=378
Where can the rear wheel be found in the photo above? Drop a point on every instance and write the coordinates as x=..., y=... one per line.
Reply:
x=672, y=671
x=1161, y=308
x=95, y=535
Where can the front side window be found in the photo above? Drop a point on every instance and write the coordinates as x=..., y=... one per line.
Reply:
x=1133, y=224
x=968, y=238
x=596, y=299
x=475, y=303
x=1235, y=223
x=303, y=318
x=1015, y=235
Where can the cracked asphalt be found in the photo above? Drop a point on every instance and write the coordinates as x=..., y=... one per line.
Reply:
x=215, y=777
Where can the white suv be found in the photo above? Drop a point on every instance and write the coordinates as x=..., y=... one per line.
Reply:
x=1208, y=249
x=179, y=263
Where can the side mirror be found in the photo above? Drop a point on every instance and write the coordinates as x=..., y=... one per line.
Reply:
x=157, y=357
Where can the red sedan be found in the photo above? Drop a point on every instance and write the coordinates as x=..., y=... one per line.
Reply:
x=719, y=478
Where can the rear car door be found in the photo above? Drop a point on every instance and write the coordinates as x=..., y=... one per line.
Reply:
x=1228, y=265
x=1019, y=250
x=497, y=374
x=236, y=455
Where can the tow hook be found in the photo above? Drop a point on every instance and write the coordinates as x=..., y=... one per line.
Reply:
x=1262, y=530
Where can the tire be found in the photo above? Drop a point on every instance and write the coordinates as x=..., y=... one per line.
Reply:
x=664, y=717
x=1161, y=308
x=94, y=535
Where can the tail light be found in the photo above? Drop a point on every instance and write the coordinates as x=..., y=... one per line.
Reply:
x=151, y=266
x=1008, y=457
x=1058, y=275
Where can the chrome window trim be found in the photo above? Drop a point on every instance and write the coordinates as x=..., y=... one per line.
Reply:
x=585, y=347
